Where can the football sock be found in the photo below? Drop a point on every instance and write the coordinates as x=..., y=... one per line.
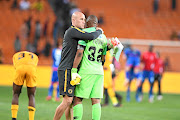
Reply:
x=128, y=75
x=138, y=75
x=31, y=112
x=128, y=91
x=106, y=96
x=78, y=112
x=114, y=100
x=96, y=112
x=150, y=91
x=128, y=94
x=140, y=89
x=137, y=95
x=159, y=87
x=14, y=110
x=118, y=95
x=50, y=92
x=112, y=96
x=57, y=91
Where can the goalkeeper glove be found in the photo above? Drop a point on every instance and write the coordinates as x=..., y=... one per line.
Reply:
x=75, y=81
x=115, y=41
x=115, y=50
x=75, y=77
x=112, y=43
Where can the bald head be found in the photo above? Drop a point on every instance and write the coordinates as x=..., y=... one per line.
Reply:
x=92, y=21
x=78, y=19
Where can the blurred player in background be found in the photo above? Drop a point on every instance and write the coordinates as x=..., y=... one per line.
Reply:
x=91, y=71
x=148, y=59
x=132, y=68
x=56, y=56
x=25, y=70
x=109, y=89
x=116, y=65
x=158, y=72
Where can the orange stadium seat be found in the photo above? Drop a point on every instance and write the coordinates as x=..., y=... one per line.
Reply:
x=11, y=21
x=123, y=18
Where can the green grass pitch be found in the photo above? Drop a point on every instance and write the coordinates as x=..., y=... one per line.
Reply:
x=167, y=109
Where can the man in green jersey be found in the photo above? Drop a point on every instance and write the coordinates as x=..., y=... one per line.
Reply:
x=90, y=54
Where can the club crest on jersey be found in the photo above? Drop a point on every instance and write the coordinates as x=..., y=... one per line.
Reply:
x=100, y=36
x=99, y=40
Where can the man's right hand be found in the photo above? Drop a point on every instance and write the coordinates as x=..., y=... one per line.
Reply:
x=98, y=28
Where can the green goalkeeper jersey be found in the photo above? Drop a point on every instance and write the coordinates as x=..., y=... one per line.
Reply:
x=91, y=62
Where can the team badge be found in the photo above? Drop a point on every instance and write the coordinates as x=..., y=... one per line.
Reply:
x=70, y=91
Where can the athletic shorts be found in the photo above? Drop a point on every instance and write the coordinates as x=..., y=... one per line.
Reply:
x=157, y=77
x=65, y=87
x=133, y=62
x=25, y=73
x=91, y=86
x=54, y=77
x=149, y=75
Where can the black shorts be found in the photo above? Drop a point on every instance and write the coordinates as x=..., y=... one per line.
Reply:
x=157, y=77
x=65, y=87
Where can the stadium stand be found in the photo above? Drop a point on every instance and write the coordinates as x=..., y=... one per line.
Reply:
x=135, y=19
x=11, y=21
x=122, y=18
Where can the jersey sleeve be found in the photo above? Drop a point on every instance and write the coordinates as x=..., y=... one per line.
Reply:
x=82, y=35
x=36, y=59
x=82, y=42
x=143, y=57
x=104, y=51
x=14, y=58
x=105, y=45
x=53, y=54
x=139, y=53
x=126, y=52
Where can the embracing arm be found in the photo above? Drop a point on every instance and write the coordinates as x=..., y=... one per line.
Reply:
x=81, y=35
x=78, y=56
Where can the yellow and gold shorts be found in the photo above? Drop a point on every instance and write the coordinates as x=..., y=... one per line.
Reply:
x=25, y=72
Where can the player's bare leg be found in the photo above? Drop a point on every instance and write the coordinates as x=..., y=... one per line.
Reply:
x=62, y=107
x=15, y=100
x=159, y=97
x=69, y=113
x=95, y=101
x=16, y=93
x=31, y=95
x=138, y=78
x=127, y=69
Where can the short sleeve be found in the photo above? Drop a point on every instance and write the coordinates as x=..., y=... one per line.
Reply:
x=105, y=45
x=104, y=51
x=82, y=42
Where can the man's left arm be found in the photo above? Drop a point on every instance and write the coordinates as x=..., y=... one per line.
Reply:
x=75, y=76
x=78, y=57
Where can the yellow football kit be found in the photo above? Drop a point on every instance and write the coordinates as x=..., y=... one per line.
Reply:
x=107, y=71
x=25, y=68
x=108, y=83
